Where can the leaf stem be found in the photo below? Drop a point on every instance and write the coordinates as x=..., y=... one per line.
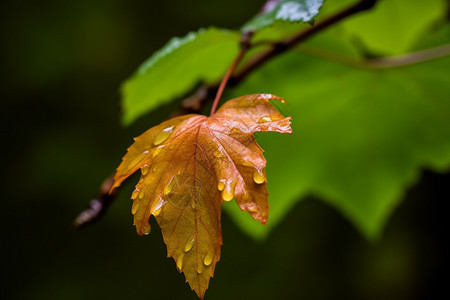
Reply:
x=245, y=44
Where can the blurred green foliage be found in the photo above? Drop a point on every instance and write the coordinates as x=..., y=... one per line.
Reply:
x=63, y=63
x=394, y=27
x=202, y=56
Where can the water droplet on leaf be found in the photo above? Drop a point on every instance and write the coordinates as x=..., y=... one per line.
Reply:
x=199, y=268
x=189, y=245
x=135, y=207
x=228, y=191
x=169, y=187
x=138, y=159
x=235, y=130
x=217, y=154
x=147, y=230
x=135, y=194
x=157, y=150
x=264, y=119
x=246, y=163
x=158, y=207
x=163, y=136
x=220, y=186
x=258, y=177
x=207, y=260
x=141, y=194
x=145, y=169
x=180, y=262
x=227, y=196
x=252, y=209
x=157, y=212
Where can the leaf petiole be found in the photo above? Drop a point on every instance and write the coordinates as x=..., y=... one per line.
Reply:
x=245, y=45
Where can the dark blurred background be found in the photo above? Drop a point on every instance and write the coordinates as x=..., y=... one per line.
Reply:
x=62, y=65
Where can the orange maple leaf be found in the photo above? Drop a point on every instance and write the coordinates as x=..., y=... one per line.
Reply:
x=189, y=165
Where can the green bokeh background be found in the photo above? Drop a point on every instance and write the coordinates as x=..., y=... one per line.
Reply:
x=62, y=65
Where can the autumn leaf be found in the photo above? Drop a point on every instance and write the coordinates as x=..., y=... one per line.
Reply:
x=189, y=165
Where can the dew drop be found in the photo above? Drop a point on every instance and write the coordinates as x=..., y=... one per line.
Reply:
x=217, y=154
x=141, y=194
x=199, y=268
x=220, y=186
x=134, y=207
x=163, y=135
x=258, y=177
x=135, y=194
x=147, y=230
x=246, y=163
x=138, y=159
x=189, y=245
x=157, y=212
x=155, y=168
x=227, y=196
x=180, y=262
x=264, y=119
x=228, y=191
x=157, y=150
x=172, y=146
x=207, y=260
x=158, y=207
x=145, y=169
x=169, y=187
x=235, y=130
x=252, y=209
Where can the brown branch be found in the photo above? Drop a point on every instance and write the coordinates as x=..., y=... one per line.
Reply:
x=281, y=47
x=97, y=207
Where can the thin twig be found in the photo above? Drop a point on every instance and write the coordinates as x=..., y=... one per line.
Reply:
x=97, y=207
x=377, y=63
x=408, y=59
